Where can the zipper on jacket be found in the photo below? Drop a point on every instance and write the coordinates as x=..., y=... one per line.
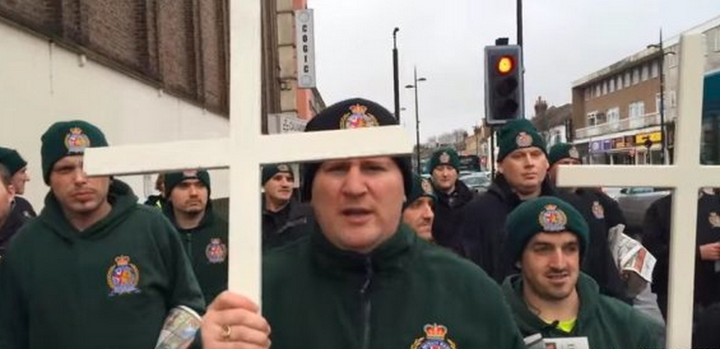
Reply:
x=188, y=245
x=366, y=304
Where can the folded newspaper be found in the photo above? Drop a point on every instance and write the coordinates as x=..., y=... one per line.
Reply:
x=629, y=254
x=179, y=329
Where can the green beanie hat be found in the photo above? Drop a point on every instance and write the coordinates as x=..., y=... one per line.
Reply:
x=350, y=114
x=174, y=178
x=66, y=138
x=544, y=214
x=420, y=187
x=268, y=171
x=444, y=157
x=12, y=160
x=517, y=134
x=563, y=151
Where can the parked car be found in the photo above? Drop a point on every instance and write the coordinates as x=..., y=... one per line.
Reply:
x=635, y=201
x=477, y=181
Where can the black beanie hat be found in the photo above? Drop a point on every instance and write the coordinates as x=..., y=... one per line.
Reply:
x=174, y=178
x=66, y=138
x=12, y=160
x=269, y=170
x=349, y=114
x=544, y=214
x=563, y=151
x=516, y=134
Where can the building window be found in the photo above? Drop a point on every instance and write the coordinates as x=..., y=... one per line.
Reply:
x=717, y=41
x=627, y=79
x=636, y=109
x=611, y=85
x=597, y=90
x=636, y=76
x=604, y=87
x=645, y=73
x=587, y=94
x=613, y=115
x=619, y=82
x=592, y=118
x=671, y=59
x=654, y=69
x=671, y=101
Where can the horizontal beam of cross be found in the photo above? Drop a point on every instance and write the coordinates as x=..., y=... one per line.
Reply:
x=215, y=153
x=651, y=176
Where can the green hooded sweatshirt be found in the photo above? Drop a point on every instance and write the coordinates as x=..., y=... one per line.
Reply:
x=109, y=286
x=606, y=322
x=207, y=247
x=407, y=293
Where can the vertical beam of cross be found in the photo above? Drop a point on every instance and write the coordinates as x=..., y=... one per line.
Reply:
x=686, y=176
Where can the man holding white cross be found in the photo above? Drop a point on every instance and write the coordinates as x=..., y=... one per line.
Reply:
x=362, y=279
x=94, y=269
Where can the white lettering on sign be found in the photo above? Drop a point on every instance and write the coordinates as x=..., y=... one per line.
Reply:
x=305, y=46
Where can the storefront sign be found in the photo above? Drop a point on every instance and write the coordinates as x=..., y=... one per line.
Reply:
x=655, y=137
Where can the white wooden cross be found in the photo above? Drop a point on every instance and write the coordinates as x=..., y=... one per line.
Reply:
x=686, y=176
x=246, y=150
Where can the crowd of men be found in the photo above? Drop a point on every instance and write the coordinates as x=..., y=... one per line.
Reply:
x=373, y=256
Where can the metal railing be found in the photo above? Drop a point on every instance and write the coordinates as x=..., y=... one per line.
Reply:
x=650, y=119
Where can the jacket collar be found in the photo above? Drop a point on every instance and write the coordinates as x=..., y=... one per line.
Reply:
x=390, y=255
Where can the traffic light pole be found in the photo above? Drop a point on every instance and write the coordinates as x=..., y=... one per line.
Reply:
x=492, y=152
x=417, y=124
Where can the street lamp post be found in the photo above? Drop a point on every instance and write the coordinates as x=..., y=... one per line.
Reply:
x=417, y=119
x=663, y=141
x=396, y=77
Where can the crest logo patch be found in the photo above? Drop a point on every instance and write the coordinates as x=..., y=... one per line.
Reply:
x=123, y=277
x=358, y=118
x=76, y=141
x=552, y=218
x=216, y=251
x=597, y=210
x=714, y=219
x=523, y=140
x=190, y=173
x=573, y=153
x=283, y=168
x=435, y=338
x=444, y=158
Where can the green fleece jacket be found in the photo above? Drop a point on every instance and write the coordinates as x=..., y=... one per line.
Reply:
x=406, y=294
x=207, y=247
x=109, y=286
x=607, y=322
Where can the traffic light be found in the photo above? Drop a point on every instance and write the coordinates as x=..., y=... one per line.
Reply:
x=503, y=84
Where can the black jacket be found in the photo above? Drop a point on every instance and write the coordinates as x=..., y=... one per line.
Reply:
x=291, y=223
x=656, y=238
x=483, y=229
x=15, y=220
x=449, y=215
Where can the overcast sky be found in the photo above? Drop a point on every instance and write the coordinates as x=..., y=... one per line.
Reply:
x=564, y=40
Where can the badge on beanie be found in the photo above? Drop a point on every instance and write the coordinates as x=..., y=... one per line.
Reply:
x=552, y=218
x=597, y=210
x=444, y=158
x=76, y=141
x=714, y=220
x=190, y=173
x=523, y=140
x=434, y=338
x=427, y=187
x=123, y=277
x=283, y=168
x=216, y=251
x=358, y=118
x=573, y=153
